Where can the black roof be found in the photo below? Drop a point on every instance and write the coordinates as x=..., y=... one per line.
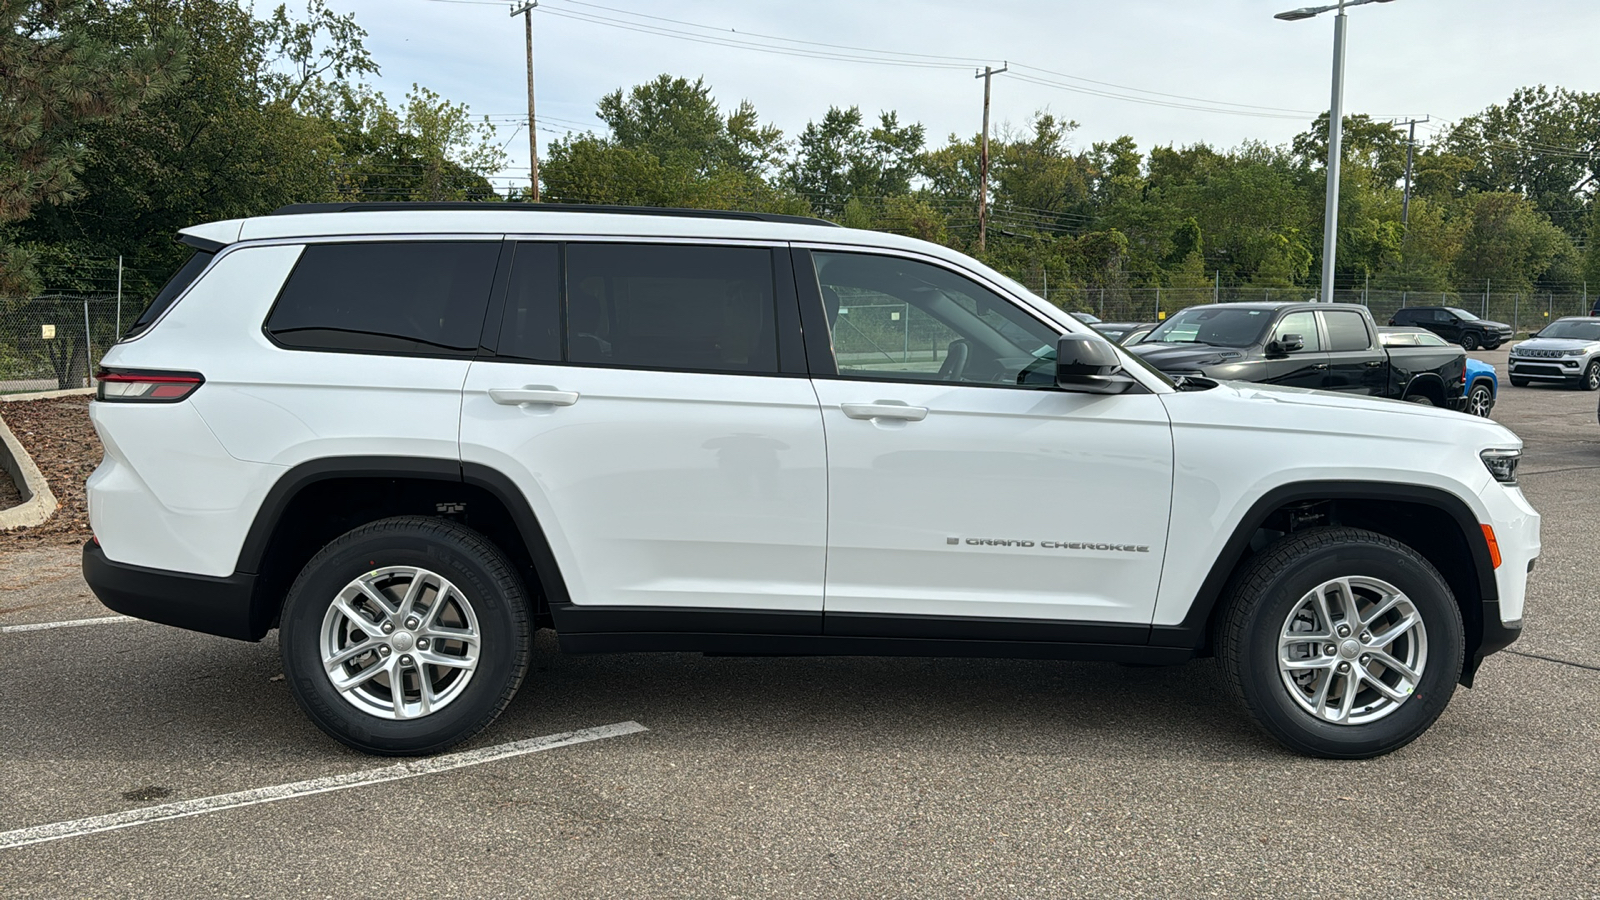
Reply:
x=295, y=209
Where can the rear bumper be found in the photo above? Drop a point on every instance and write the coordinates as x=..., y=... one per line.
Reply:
x=220, y=606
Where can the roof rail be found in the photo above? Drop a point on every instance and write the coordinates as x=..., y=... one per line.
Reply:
x=479, y=206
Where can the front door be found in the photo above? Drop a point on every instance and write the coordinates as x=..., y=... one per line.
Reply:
x=637, y=399
x=968, y=497
x=1306, y=367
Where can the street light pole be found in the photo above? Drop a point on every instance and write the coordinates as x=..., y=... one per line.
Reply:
x=526, y=10
x=1330, y=218
x=1330, y=221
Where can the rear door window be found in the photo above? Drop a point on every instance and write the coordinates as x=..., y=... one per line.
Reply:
x=423, y=298
x=1346, y=331
x=664, y=306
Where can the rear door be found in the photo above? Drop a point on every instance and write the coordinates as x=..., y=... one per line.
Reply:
x=1356, y=364
x=639, y=398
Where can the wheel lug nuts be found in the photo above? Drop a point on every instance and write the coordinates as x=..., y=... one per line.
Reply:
x=1344, y=631
x=388, y=628
x=422, y=643
x=1331, y=649
x=411, y=624
x=384, y=650
x=1366, y=636
x=1344, y=667
x=405, y=660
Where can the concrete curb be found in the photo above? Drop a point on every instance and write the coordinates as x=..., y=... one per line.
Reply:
x=38, y=504
x=46, y=395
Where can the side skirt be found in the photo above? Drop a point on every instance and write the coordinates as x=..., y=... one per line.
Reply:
x=836, y=645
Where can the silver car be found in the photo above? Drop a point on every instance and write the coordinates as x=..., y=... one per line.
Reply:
x=1567, y=351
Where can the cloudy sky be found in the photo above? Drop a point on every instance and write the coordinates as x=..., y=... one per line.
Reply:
x=1163, y=71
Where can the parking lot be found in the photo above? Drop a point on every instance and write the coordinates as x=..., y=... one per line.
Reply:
x=791, y=777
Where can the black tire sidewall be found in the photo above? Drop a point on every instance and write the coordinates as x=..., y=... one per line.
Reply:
x=503, y=650
x=1469, y=341
x=1298, y=729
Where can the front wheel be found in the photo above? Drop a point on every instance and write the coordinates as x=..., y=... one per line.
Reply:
x=1469, y=341
x=406, y=636
x=1590, y=381
x=1342, y=643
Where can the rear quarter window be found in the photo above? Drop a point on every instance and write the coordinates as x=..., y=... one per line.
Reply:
x=423, y=298
x=177, y=284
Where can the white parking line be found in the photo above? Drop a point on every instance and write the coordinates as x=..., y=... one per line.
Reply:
x=70, y=623
x=40, y=834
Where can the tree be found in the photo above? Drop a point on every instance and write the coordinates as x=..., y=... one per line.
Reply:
x=61, y=76
x=1510, y=242
x=838, y=160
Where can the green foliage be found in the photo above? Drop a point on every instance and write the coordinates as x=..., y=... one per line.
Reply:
x=839, y=160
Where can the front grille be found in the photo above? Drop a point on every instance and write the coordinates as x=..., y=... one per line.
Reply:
x=1540, y=371
x=1541, y=354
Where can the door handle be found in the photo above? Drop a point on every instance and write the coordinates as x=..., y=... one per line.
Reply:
x=885, y=409
x=1373, y=364
x=1320, y=366
x=533, y=394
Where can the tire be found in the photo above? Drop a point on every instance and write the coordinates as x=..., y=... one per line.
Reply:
x=1590, y=381
x=1518, y=382
x=470, y=590
x=1424, y=399
x=1480, y=400
x=1274, y=595
x=1469, y=341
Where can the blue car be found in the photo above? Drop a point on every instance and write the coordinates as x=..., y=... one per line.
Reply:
x=1483, y=386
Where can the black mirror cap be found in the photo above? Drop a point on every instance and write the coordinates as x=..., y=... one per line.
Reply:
x=1089, y=364
x=1290, y=343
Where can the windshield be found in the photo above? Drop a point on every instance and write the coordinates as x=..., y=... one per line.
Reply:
x=1575, y=329
x=1463, y=314
x=1217, y=326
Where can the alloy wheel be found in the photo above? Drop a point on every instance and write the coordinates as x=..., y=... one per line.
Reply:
x=1352, y=650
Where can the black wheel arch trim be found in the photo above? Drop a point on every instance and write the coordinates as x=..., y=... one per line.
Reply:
x=1193, y=631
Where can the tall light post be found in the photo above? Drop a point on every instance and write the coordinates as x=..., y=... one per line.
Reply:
x=1330, y=219
x=526, y=9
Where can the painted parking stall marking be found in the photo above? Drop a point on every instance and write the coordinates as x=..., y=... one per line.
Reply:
x=56, y=831
x=70, y=623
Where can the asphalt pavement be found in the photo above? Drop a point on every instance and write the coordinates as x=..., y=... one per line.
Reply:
x=795, y=777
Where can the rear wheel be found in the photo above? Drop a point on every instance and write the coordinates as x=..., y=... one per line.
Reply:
x=1342, y=643
x=1469, y=341
x=1424, y=399
x=1480, y=400
x=405, y=636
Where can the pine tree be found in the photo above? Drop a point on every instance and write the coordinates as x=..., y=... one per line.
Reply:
x=57, y=75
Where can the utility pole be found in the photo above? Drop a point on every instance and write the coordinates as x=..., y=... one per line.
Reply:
x=983, y=156
x=1411, y=146
x=526, y=10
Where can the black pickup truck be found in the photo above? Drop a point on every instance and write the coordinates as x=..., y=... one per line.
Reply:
x=1328, y=346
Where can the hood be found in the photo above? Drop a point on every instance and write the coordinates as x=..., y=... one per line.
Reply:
x=1555, y=344
x=1329, y=407
x=1185, y=357
x=1492, y=325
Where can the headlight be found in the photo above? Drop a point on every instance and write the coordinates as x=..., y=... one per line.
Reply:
x=1573, y=352
x=1502, y=464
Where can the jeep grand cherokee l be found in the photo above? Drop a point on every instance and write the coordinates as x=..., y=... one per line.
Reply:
x=405, y=436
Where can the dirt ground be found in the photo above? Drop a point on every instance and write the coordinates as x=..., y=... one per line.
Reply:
x=57, y=434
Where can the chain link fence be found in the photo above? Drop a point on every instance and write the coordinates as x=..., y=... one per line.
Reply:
x=1525, y=312
x=55, y=341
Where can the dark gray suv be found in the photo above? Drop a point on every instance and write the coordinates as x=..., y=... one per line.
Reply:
x=1455, y=325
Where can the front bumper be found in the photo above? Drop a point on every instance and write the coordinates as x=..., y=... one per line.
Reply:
x=220, y=606
x=1541, y=368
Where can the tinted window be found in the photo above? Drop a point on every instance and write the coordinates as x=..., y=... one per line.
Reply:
x=671, y=307
x=531, y=326
x=399, y=297
x=184, y=277
x=1346, y=331
x=901, y=319
x=1303, y=324
x=1405, y=339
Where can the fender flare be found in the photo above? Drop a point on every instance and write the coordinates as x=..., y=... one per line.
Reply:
x=1193, y=631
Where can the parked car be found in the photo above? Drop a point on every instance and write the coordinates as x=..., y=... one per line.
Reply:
x=1482, y=384
x=1455, y=325
x=1331, y=347
x=1126, y=333
x=1567, y=351
x=407, y=435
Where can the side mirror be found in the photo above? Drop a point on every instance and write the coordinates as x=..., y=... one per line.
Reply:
x=1089, y=365
x=1290, y=343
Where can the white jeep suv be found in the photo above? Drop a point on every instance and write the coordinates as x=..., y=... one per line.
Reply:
x=405, y=436
x=1566, y=351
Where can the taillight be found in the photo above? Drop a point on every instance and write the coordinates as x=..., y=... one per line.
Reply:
x=146, y=387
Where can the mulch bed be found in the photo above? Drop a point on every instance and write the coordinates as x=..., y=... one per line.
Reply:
x=57, y=434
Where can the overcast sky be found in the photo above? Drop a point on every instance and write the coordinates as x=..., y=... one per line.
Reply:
x=1443, y=58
